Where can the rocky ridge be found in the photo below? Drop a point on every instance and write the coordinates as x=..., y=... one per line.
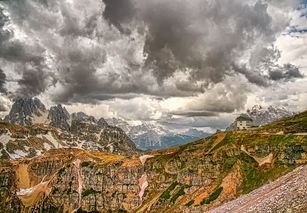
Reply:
x=31, y=141
x=44, y=129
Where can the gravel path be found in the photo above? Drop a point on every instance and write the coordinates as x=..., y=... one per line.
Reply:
x=287, y=194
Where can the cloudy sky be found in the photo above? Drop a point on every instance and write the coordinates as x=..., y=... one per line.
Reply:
x=176, y=62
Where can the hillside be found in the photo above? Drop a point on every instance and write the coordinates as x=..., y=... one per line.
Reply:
x=286, y=193
x=192, y=178
x=293, y=124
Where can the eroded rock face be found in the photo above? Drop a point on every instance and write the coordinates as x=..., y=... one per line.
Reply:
x=192, y=178
x=59, y=117
x=24, y=111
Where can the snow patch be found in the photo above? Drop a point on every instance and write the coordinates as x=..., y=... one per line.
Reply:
x=50, y=138
x=143, y=158
x=143, y=184
x=5, y=138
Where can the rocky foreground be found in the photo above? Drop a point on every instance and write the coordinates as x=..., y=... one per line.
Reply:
x=287, y=194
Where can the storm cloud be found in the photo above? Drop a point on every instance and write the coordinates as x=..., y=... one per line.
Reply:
x=210, y=38
x=2, y=81
x=77, y=51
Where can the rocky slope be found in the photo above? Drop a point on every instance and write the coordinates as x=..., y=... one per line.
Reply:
x=56, y=128
x=287, y=194
x=192, y=178
x=148, y=136
x=31, y=141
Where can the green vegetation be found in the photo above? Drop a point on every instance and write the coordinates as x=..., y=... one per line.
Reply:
x=54, y=190
x=85, y=164
x=255, y=177
x=178, y=194
x=227, y=140
x=166, y=194
x=190, y=203
x=229, y=162
x=88, y=192
x=294, y=124
x=212, y=197
x=60, y=172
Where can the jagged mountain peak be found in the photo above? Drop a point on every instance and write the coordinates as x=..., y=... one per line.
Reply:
x=81, y=116
x=59, y=117
x=263, y=115
x=25, y=110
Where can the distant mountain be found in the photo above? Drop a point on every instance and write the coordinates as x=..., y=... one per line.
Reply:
x=148, y=136
x=76, y=130
x=264, y=115
x=196, y=133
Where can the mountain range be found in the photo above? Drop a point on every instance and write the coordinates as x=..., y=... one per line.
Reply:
x=262, y=170
x=148, y=136
x=30, y=129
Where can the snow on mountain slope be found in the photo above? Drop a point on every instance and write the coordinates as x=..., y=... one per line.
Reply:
x=74, y=130
x=149, y=136
x=262, y=115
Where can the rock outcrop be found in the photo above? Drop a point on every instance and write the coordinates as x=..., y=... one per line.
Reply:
x=26, y=111
x=31, y=141
x=59, y=117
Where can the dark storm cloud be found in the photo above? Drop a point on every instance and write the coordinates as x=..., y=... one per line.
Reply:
x=74, y=47
x=2, y=81
x=196, y=114
x=28, y=60
x=118, y=12
x=32, y=83
x=287, y=72
x=207, y=37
